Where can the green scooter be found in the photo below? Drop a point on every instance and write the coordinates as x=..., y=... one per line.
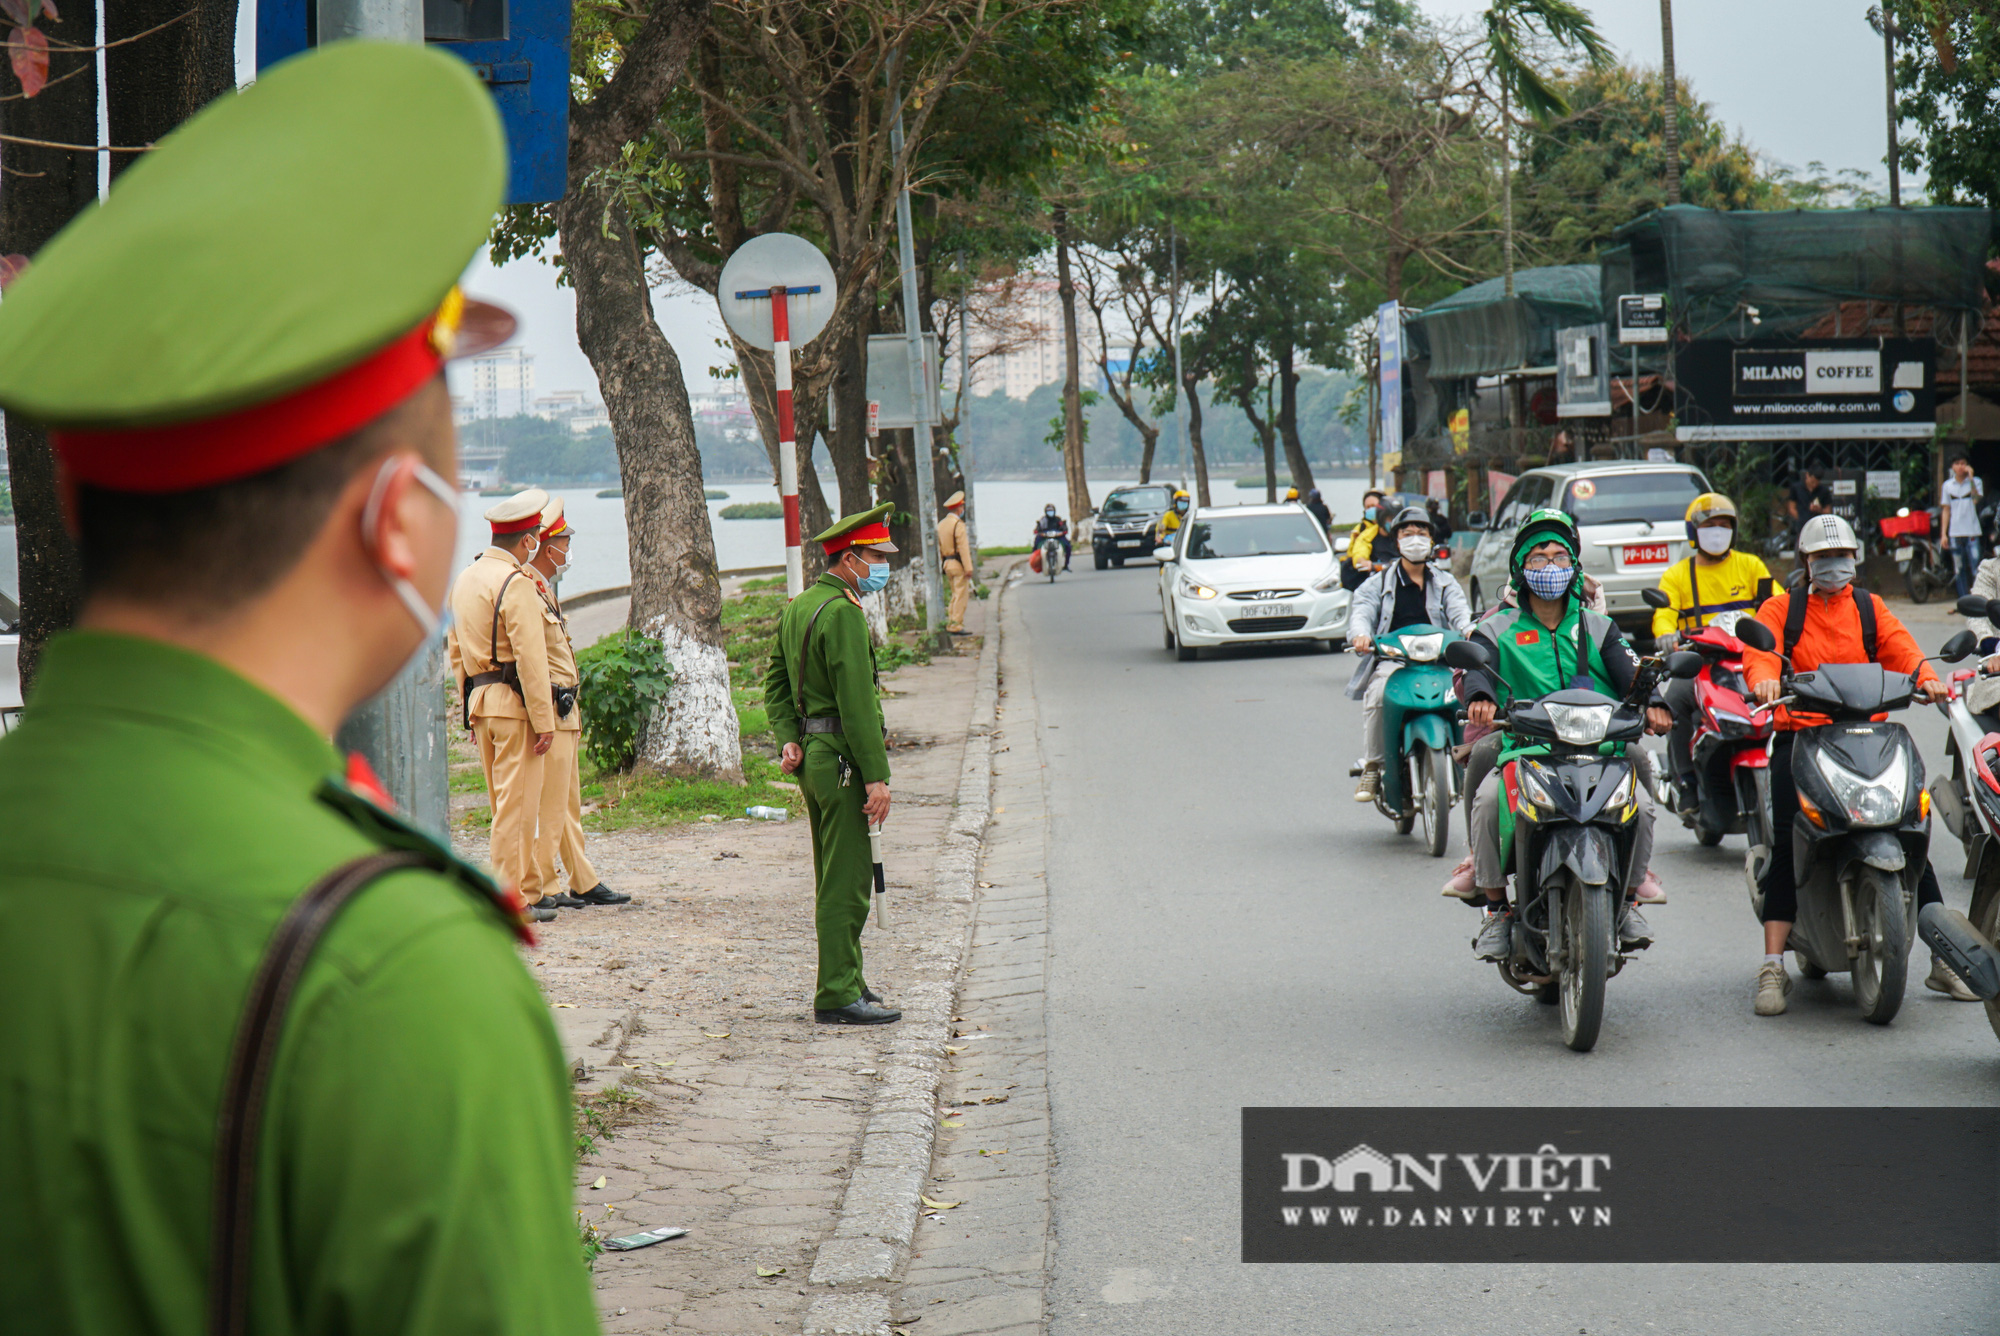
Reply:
x=1420, y=729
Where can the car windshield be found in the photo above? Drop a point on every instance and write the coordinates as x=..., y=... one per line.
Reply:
x=1613, y=498
x=1254, y=536
x=1138, y=500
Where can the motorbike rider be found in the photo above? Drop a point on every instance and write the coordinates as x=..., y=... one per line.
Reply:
x=1410, y=592
x=1170, y=522
x=1714, y=579
x=1356, y=566
x=1053, y=525
x=1835, y=625
x=1317, y=505
x=1545, y=645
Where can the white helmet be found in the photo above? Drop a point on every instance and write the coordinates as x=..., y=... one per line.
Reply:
x=1826, y=533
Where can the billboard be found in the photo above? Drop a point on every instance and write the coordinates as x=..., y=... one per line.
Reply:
x=1389, y=338
x=1813, y=390
x=1583, y=380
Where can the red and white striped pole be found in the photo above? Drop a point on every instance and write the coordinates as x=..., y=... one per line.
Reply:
x=788, y=450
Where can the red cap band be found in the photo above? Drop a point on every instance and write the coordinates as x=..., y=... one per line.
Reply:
x=502, y=528
x=187, y=455
x=877, y=532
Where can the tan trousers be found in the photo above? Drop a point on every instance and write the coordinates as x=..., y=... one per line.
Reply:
x=559, y=827
x=961, y=594
x=514, y=781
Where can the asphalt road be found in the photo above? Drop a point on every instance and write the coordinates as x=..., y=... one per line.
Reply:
x=1229, y=929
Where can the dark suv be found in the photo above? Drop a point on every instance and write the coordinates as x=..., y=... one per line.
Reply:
x=1126, y=525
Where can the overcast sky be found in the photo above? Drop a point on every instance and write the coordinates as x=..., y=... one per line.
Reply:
x=1800, y=80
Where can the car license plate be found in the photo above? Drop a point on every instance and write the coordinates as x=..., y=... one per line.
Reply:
x=1270, y=609
x=1648, y=554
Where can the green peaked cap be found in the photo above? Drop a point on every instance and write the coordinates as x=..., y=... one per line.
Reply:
x=848, y=524
x=279, y=236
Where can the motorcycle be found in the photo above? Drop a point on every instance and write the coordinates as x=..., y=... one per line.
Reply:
x=1572, y=795
x=1951, y=792
x=1731, y=745
x=1924, y=564
x=1420, y=780
x=1050, y=553
x=1862, y=834
x=1965, y=943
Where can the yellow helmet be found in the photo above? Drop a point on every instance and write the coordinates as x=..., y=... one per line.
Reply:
x=1179, y=494
x=1291, y=494
x=1709, y=506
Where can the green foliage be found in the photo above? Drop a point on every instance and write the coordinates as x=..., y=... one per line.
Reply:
x=754, y=510
x=1059, y=425
x=624, y=679
x=6, y=502
x=589, y=1238
x=713, y=495
x=644, y=799
x=541, y=451
x=1948, y=84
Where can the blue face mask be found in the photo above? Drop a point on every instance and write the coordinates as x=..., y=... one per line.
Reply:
x=877, y=577
x=1550, y=582
x=1369, y=513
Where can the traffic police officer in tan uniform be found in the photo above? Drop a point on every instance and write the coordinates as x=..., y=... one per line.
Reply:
x=500, y=657
x=955, y=550
x=559, y=826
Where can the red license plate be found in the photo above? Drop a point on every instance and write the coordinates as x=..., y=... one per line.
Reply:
x=1650, y=554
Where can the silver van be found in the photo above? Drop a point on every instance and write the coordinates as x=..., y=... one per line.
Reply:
x=1631, y=516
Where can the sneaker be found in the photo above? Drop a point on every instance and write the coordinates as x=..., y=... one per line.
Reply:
x=1650, y=890
x=1633, y=934
x=1459, y=886
x=1496, y=935
x=1371, y=780
x=1942, y=980
x=1772, y=986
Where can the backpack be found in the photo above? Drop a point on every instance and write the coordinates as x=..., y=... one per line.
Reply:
x=1795, y=620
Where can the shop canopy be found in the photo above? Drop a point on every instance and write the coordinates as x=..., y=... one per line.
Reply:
x=1481, y=331
x=1795, y=266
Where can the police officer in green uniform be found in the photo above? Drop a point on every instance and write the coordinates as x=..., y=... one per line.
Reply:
x=820, y=695
x=240, y=359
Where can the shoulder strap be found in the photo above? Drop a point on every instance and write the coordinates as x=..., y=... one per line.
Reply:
x=1864, y=603
x=805, y=644
x=1795, y=619
x=249, y=1073
x=493, y=637
x=1694, y=595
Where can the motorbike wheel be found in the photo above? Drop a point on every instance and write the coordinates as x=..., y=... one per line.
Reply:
x=1587, y=963
x=1883, y=925
x=1985, y=916
x=1434, y=798
x=1050, y=566
x=1917, y=580
x=1807, y=970
x=1705, y=835
x=1406, y=820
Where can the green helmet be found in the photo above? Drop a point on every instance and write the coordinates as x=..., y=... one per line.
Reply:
x=1542, y=526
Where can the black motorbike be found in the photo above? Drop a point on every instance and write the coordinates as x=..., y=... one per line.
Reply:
x=1576, y=811
x=1965, y=943
x=1862, y=832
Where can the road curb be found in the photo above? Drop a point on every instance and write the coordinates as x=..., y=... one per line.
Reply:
x=870, y=1242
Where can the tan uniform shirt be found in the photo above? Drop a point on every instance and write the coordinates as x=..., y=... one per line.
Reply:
x=522, y=637
x=562, y=654
x=955, y=541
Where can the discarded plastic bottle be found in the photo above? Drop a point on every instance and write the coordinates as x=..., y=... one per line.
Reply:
x=767, y=814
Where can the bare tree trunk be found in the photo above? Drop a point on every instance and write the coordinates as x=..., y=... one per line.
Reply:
x=1194, y=442
x=1288, y=419
x=156, y=82
x=1670, y=90
x=847, y=443
x=1148, y=441
x=1073, y=472
x=1247, y=386
x=1507, y=185
x=45, y=188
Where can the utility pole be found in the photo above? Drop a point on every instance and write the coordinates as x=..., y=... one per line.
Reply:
x=1885, y=23
x=400, y=730
x=1174, y=324
x=965, y=408
x=923, y=446
x=1672, y=91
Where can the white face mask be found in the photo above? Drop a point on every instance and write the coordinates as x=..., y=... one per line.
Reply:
x=427, y=617
x=1414, y=547
x=1714, y=539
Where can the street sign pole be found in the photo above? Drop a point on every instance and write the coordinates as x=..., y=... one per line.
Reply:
x=788, y=449
x=923, y=447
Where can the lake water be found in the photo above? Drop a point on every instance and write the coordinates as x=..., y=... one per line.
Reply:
x=1004, y=511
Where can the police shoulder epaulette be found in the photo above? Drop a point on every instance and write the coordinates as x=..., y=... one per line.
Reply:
x=849, y=593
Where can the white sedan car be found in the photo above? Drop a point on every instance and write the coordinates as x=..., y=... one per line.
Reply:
x=1247, y=574
x=10, y=671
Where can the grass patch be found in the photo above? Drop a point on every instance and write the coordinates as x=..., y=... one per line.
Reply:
x=754, y=510
x=764, y=582
x=1004, y=551
x=643, y=799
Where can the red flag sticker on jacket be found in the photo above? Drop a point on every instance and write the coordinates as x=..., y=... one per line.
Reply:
x=1528, y=637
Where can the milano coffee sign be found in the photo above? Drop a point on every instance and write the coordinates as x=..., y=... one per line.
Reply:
x=1828, y=390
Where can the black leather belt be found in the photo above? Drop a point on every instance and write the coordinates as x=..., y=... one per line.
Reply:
x=828, y=723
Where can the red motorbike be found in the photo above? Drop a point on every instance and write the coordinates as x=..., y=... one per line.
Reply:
x=1731, y=744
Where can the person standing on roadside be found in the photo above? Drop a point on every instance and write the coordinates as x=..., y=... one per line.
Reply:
x=819, y=692
x=955, y=548
x=499, y=654
x=559, y=823
x=240, y=355
x=1317, y=505
x=1962, y=493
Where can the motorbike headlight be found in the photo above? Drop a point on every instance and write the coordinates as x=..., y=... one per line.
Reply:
x=1622, y=795
x=1423, y=649
x=1535, y=785
x=1868, y=802
x=1329, y=582
x=1189, y=589
x=1580, y=725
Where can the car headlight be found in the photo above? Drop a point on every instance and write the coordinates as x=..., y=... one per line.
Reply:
x=1328, y=582
x=1868, y=802
x=1423, y=649
x=1580, y=725
x=1189, y=589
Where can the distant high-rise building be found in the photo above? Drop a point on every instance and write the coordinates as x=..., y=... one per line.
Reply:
x=1035, y=357
x=501, y=383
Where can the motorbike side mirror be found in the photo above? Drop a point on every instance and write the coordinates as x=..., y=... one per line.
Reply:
x=1477, y=520
x=1684, y=664
x=1163, y=554
x=1959, y=646
x=1467, y=656
x=1756, y=635
x=1655, y=599
x=1972, y=605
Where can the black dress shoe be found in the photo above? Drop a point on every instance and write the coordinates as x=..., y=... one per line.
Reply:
x=858, y=1012
x=601, y=894
x=869, y=994
x=561, y=900
x=538, y=912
